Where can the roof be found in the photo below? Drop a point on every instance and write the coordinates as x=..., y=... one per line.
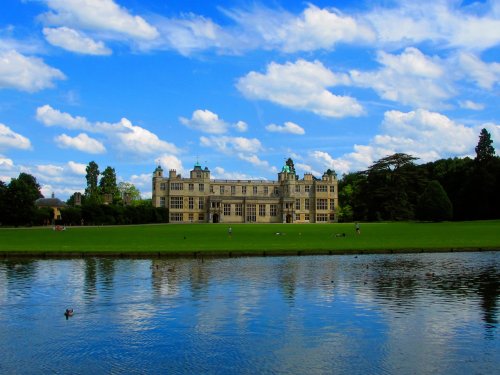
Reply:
x=49, y=202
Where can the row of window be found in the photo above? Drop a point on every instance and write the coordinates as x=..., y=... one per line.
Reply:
x=251, y=216
x=177, y=202
x=178, y=186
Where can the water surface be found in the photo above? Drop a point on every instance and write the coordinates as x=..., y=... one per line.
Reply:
x=377, y=314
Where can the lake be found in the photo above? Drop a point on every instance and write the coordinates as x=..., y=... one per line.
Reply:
x=366, y=314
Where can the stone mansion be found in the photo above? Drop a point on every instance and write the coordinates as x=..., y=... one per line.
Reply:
x=199, y=199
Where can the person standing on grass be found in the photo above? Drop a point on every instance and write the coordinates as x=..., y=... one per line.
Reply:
x=230, y=231
x=358, y=230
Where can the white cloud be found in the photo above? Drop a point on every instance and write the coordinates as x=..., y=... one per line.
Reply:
x=98, y=15
x=445, y=23
x=50, y=169
x=257, y=162
x=288, y=127
x=232, y=145
x=410, y=78
x=241, y=126
x=77, y=168
x=469, y=104
x=123, y=135
x=5, y=164
x=302, y=86
x=74, y=41
x=11, y=139
x=483, y=74
x=205, y=121
x=169, y=162
x=221, y=173
x=23, y=73
x=82, y=142
x=313, y=29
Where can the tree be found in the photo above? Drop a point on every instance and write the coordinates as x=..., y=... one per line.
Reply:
x=434, y=204
x=484, y=149
x=393, y=185
x=3, y=201
x=128, y=188
x=92, y=176
x=107, y=184
x=290, y=165
x=22, y=192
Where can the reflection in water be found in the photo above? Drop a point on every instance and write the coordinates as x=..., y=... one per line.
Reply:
x=415, y=313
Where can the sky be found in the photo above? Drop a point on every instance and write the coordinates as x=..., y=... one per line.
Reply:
x=240, y=86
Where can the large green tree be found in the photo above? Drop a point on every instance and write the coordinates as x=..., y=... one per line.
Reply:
x=92, y=177
x=434, y=204
x=107, y=183
x=128, y=188
x=22, y=192
x=484, y=149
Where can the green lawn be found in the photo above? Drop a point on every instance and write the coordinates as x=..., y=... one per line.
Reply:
x=254, y=238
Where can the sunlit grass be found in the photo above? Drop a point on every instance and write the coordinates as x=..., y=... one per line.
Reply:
x=180, y=238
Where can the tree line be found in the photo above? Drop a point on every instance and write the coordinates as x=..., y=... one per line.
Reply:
x=395, y=188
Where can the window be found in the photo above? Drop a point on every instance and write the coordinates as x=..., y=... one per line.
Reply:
x=321, y=188
x=251, y=213
x=273, y=210
x=212, y=189
x=332, y=217
x=191, y=203
x=255, y=190
x=176, y=186
x=297, y=188
x=297, y=204
x=266, y=190
x=332, y=189
x=191, y=217
x=238, y=209
x=214, y=204
x=321, y=218
x=243, y=190
x=201, y=187
x=321, y=204
x=306, y=204
x=191, y=187
x=307, y=188
x=201, y=217
x=262, y=210
x=176, y=216
x=201, y=204
x=198, y=174
x=221, y=189
x=233, y=190
x=306, y=217
x=176, y=202
x=276, y=191
x=162, y=201
x=163, y=186
x=227, y=209
x=332, y=205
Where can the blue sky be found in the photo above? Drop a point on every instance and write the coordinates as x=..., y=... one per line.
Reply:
x=240, y=86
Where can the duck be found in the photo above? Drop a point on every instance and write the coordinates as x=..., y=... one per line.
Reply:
x=68, y=313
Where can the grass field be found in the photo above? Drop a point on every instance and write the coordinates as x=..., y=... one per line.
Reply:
x=253, y=238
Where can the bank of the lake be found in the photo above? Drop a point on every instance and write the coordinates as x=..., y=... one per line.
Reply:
x=250, y=239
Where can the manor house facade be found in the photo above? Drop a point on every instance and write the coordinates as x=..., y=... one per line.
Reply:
x=199, y=199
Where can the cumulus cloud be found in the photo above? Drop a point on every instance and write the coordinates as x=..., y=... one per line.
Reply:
x=302, y=86
x=421, y=133
x=241, y=126
x=5, y=164
x=77, y=168
x=50, y=169
x=483, y=74
x=313, y=29
x=24, y=73
x=124, y=136
x=205, y=121
x=221, y=173
x=410, y=78
x=469, y=104
x=289, y=127
x=98, y=15
x=74, y=41
x=169, y=162
x=82, y=142
x=232, y=145
x=11, y=139
x=257, y=162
